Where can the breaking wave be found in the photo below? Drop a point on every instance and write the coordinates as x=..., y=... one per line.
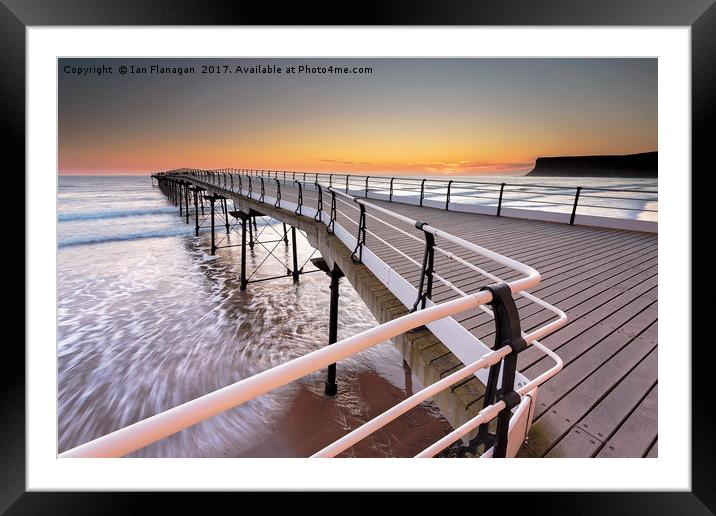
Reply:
x=99, y=239
x=68, y=217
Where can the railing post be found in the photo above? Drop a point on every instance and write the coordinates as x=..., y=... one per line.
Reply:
x=330, y=228
x=507, y=333
x=300, y=198
x=425, y=288
x=263, y=191
x=357, y=254
x=366, y=186
x=447, y=197
x=330, y=180
x=390, y=197
x=422, y=191
x=499, y=203
x=278, y=193
x=346, y=183
x=574, y=208
x=251, y=186
x=319, y=206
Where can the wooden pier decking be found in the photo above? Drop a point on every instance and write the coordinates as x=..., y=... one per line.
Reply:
x=604, y=402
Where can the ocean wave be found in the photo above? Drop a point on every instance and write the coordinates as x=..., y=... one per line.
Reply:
x=100, y=239
x=69, y=217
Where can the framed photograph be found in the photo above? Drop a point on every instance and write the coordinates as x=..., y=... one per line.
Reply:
x=380, y=256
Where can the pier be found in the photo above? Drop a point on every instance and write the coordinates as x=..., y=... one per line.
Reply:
x=603, y=403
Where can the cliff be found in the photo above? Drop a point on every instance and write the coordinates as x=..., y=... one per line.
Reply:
x=628, y=165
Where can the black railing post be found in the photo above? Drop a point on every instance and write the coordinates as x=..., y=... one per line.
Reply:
x=251, y=186
x=574, y=208
x=330, y=228
x=357, y=255
x=300, y=198
x=447, y=197
x=241, y=186
x=330, y=180
x=507, y=333
x=346, y=183
x=499, y=203
x=425, y=288
x=390, y=196
x=263, y=190
x=319, y=207
x=366, y=186
x=422, y=191
x=278, y=194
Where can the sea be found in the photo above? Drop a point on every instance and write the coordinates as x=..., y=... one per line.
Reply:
x=148, y=319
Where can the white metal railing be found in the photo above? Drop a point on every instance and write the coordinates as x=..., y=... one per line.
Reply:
x=164, y=424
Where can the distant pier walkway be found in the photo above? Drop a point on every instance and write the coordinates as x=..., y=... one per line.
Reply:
x=604, y=402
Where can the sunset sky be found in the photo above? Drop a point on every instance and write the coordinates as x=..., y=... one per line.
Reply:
x=416, y=116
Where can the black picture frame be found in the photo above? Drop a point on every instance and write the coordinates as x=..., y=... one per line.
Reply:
x=700, y=15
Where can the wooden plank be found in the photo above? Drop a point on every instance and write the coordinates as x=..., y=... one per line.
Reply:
x=576, y=444
x=653, y=452
x=613, y=410
x=553, y=424
x=582, y=362
x=634, y=438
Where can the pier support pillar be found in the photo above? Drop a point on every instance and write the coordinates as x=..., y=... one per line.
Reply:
x=336, y=274
x=251, y=232
x=243, y=280
x=212, y=199
x=186, y=201
x=295, y=271
x=225, y=209
x=196, y=211
x=179, y=192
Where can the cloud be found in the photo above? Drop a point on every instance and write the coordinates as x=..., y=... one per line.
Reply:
x=342, y=162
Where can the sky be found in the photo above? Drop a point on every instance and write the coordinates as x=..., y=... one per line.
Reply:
x=412, y=116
